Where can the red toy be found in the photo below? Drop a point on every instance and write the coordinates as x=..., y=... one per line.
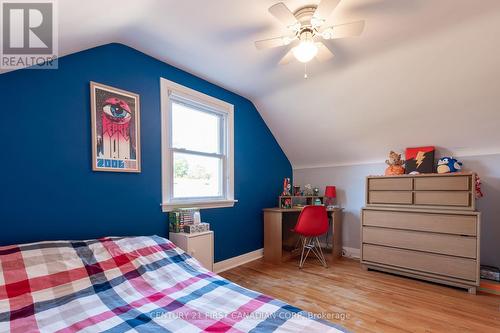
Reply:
x=479, y=193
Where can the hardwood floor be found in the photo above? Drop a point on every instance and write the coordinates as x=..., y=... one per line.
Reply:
x=370, y=301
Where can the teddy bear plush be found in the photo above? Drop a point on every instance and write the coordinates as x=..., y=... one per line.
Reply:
x=395, y=164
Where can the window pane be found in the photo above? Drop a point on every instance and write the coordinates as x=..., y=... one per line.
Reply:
x=197, y=176
x=195, y=130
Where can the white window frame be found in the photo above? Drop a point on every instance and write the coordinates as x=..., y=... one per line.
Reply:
x=169, y=91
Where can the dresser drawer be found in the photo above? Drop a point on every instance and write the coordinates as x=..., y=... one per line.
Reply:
x=440, y=223
x=438, y=198
x=444, y=183
x=455, y=267
x=390, y=184
x=461, y=246
x=390, y=197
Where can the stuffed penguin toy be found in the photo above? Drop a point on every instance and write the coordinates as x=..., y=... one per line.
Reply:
x=448, y=164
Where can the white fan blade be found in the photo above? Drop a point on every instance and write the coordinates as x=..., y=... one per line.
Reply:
x=324, y=53
x=325, y=9
x=352, y=29
x=283, y=14
x=287, y=58
x=273, y=42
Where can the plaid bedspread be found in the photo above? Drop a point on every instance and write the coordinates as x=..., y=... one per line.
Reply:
x=131, y=284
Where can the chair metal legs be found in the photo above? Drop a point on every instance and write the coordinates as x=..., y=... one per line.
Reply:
x=311, y=244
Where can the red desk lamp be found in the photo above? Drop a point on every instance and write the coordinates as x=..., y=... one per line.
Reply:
x=330, y=195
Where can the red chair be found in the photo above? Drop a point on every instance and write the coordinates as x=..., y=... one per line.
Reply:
x=312, y=223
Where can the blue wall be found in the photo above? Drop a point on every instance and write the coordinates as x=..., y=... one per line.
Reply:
x=49, y=190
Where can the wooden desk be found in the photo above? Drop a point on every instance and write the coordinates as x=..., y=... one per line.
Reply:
x=274, y=231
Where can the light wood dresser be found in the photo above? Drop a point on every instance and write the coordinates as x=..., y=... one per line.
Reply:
x=423, y=226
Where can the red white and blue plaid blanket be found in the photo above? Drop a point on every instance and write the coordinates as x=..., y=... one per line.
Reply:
x=131, y=284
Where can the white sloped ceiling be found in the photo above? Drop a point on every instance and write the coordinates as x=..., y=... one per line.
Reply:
x=425, y=72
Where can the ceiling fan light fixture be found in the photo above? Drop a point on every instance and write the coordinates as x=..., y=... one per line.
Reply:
x=307, y=30
x=305, y=51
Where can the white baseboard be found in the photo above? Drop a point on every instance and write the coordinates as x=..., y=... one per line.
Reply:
x=227, y=264
x=224, y=265
x=350, y=252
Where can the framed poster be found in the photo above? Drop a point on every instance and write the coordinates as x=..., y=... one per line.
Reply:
x=419, y=160
x=115, y=115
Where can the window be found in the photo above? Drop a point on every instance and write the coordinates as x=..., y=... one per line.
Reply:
x=197, y=149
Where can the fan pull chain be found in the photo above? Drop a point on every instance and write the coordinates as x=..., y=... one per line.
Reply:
x=305, y=70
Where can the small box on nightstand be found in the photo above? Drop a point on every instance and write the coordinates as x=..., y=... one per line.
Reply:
x=200, y=227
x=199, y=245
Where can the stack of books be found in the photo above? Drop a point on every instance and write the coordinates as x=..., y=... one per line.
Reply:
x=183, y=220
x=186, y=215
x=174, y=222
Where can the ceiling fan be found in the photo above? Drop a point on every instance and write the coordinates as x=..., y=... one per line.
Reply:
x=307, y=30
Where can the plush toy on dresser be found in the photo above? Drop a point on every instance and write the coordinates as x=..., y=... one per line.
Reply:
x=448, y=164
x=395, y=165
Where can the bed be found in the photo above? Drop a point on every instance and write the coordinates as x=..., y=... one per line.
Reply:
x=131, y=284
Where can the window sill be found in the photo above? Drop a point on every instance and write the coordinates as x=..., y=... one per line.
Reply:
x=168, y=207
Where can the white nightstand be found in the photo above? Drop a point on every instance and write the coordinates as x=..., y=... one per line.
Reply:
x=199, y=245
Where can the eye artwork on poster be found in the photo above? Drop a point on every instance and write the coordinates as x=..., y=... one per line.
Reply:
x=115, y=115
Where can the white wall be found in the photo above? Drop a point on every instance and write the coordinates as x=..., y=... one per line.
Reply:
x=350, y=182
